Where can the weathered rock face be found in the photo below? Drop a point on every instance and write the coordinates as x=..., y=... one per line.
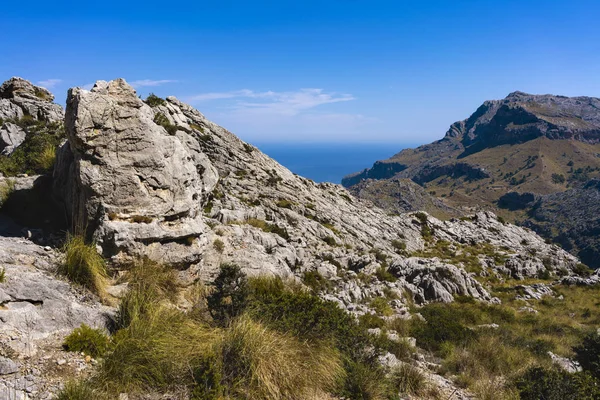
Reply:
x=212, y=198
x=37, y=311
x=19, y=97
x=137, y=189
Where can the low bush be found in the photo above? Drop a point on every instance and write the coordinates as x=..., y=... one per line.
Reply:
x=219, y=245
x=442, y=326
x=6, y=189
x=408, y=380
x=83, y=265
x=36, y=155
x=316, y=281
x=153, y=100
x=229, y=297
x=365, y=382
x=554, y=384
x=384, y=275
x=92, y=342
x=162, y=120
x=588, y=354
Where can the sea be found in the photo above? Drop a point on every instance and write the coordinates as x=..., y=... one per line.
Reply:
x=329, y=162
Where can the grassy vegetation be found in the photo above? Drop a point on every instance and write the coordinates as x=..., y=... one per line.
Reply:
x=37, y=154
x=83, y=265
x=162, y=120
x=6, y=189
x=267, y=227
x=262, y=338
x=153, y=100
x=496, y=363
x=92, y=342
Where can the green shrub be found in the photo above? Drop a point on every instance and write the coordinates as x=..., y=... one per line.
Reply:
x=83, y=265
x=554, y=384
x=92, y=342
x=77, y=391
x=270, y=228
x=588, y=354
x=371, y=321
x=558, y=178
x=153, y=100
x=284, y=204
x=306, y=316
x=384, y=275
x=365, y=382
x=155, y=352
x=2, y=275
x=230, y=295
x=330, y=241
x=316, y=281
x=6, y=189
x=582, y=270
x=37, y=153
x=442, y=326
x=219, y=245
x=162, y=120
x=381, y=306
x=399, y=245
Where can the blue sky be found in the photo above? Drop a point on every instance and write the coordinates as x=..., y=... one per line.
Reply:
x=302, y=71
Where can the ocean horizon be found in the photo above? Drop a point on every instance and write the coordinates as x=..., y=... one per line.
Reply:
x=329, y=162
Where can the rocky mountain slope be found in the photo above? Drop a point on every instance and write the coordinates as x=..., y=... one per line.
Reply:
x=156, y=179
x=539, y=144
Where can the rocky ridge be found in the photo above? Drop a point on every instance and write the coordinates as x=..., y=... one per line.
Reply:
x=166, y=183
x=529, y=145
x=162, y=181
x=19, y=98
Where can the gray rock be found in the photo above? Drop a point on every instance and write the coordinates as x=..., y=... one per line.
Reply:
x=11, y=136
x=34, y=304
x=137, y=188
x=20, y=97
x=8, y=366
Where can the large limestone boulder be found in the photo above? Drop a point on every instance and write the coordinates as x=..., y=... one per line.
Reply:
x=134, y=187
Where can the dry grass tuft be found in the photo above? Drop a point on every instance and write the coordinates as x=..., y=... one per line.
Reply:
x=83, y=265
x=259, y=363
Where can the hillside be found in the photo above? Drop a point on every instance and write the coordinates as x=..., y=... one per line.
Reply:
x=539, y=144
x=203, y=269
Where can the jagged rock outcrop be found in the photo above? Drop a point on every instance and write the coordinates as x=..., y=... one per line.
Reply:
x=19, y=97
x=165, y=182
x=138, y=189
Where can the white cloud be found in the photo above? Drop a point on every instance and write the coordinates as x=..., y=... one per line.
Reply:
x=150, y=82
x=282, y=103
x=49, y=83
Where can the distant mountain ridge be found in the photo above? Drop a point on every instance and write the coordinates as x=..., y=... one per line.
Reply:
x=524, y=143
